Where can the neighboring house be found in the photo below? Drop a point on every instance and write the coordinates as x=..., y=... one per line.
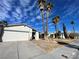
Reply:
x=52, y=35
x=19, y=33
x=76, y=35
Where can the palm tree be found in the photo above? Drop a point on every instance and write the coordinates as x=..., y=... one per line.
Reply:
x=41, y=4
x=72, y=23
x=44, y=6
x=49, y=7
x=55, y=21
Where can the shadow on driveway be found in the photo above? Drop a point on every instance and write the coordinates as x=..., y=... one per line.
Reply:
x=69, y=45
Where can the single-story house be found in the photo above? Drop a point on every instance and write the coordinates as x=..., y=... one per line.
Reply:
x=19, y=33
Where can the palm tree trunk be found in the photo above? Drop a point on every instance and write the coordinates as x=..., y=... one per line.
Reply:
x=43, y=23
x=47, y=14
x=56, y=30
x=73, y=29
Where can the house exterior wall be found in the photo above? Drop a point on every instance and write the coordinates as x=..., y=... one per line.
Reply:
x=17, y=33
x=37, y=36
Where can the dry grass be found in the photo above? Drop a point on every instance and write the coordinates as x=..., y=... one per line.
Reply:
x=50, y=45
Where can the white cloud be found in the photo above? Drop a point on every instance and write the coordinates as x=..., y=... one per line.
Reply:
x=50, y=24
x=18, y=10
x=31, y=14
x=38, y=17
x=31, y=7
x=69, y=11
x=3, y=15
x=7, y=3
x=32, y=20
x=25, y=2
x=37, y=24
x=38, y=11
x=16, y=15
x=52, y=27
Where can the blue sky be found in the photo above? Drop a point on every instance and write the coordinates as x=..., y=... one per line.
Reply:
x=27, y=11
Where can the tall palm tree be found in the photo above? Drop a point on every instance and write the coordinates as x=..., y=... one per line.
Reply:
x=55, y=21
x=49, y=7
x=41, y=4
x=72, y=23
x=44, y=6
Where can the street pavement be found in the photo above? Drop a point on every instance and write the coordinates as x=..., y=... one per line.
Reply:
x=28, y=50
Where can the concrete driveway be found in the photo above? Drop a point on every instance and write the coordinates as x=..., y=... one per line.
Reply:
x=28, y=50
x=19, y=50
